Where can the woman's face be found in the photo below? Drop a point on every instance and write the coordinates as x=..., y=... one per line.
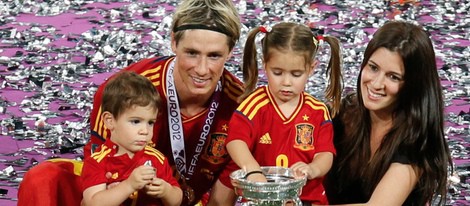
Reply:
x=381, y=80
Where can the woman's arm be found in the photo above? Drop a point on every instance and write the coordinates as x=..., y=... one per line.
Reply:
x=395, y=186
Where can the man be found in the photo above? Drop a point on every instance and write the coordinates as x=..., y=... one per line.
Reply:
x=198, y=94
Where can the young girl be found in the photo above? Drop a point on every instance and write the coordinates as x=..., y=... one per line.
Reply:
x=390, y=135
x=279, y=124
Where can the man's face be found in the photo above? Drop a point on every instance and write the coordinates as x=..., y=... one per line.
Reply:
x=200, y=58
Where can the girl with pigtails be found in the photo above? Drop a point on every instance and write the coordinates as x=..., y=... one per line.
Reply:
x=280, y=124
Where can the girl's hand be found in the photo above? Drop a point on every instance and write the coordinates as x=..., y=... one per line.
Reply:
x=257, y=177
x=306, y=169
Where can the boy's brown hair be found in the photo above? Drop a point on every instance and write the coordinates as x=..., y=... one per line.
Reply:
x=127, y=89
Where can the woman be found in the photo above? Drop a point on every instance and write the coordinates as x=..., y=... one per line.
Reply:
x=389, y=137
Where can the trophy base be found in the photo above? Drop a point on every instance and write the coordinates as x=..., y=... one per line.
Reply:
x=295, y=202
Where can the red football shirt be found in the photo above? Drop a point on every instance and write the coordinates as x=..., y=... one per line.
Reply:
x=276, y=140
x=103, y=160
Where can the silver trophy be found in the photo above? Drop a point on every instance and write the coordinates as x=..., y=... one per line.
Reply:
x=283, y=187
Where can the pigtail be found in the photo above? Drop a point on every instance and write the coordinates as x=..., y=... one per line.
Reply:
x=250, y=64
x=334, y=72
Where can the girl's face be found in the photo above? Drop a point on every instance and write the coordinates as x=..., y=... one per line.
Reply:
x=200, y=58
x=287, y=75
x=133, y=129
x=381, y=80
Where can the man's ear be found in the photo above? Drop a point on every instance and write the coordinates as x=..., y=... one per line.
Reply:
x=229, y=55
x=173, y=42
x=108, y=120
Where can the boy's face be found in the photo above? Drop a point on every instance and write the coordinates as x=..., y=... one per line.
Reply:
x=133, y=129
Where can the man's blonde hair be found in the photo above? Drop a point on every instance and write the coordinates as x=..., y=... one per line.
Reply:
x=219, y=14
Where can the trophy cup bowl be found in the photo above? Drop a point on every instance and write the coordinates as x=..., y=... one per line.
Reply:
x=282, y=185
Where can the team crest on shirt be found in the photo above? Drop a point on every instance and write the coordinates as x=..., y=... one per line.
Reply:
x=215, y=149
x=304, y=137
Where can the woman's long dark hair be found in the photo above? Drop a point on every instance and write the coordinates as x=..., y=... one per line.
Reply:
x=418, y=119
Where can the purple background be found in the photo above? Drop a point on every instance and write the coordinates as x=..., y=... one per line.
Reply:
x=444, y=21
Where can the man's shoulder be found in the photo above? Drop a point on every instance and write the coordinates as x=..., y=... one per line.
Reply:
x=232, y=86
x=146, y=65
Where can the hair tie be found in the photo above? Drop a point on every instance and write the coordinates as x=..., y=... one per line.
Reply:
x=265, y=29
x=318, y=40
x=254, y=172
x=317, y=36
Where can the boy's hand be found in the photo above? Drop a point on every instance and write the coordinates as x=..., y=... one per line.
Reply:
x=157, y=188
x=141, y=176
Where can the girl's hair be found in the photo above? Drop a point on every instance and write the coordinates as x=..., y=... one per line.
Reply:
x=418, y=119
x=297, y=38
x=127, y=89
x=218, y=14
